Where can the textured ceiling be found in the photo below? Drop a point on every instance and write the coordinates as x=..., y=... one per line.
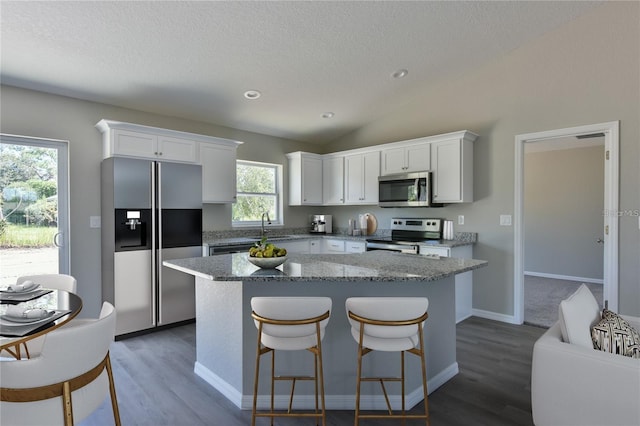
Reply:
x=196, y=59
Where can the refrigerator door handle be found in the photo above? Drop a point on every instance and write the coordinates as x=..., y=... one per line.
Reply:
x=158, y=253
x=154, y=241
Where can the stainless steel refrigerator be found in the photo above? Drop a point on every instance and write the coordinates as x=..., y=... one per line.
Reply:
x=151, y=212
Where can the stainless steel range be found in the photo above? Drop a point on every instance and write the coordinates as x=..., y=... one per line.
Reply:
x=407, y=233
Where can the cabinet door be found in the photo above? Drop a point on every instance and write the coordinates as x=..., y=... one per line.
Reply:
x=333, y=180
x=311, y=180
x=371, y=172
x=447, y=173
x=354, y=185
x=174, y=149
x=315, y=246
x=418, y=158
x=393, y=161
x=218, y=173
x=135, y=144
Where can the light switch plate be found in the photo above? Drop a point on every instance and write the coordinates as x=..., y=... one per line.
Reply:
x=505, y=220
x=460, y=219
x=95, y=222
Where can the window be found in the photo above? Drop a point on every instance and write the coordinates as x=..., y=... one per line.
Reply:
x=259, y=190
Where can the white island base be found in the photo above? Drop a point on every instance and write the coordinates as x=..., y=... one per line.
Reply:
x=226, y=343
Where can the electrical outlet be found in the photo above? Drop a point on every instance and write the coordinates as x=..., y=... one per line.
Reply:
x=505, y=220
x=94, y=222
x=460, y=219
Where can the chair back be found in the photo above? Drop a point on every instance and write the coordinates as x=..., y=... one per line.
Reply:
x=67, y=353
x=52, y=281
x=290, y=309
x=387, y=309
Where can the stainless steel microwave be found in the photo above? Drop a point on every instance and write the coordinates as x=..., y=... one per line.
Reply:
x=406, y=190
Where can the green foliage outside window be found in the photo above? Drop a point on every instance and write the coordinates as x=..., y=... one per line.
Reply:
x=257, y=192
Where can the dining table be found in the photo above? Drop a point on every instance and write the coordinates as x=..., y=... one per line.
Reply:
x=61, y=306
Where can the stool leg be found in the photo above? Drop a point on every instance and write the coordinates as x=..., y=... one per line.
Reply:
x=273, y=375
x=324, y=410
x=255, y=379
x=402, y=385
x=424, y=376
x=359, y=375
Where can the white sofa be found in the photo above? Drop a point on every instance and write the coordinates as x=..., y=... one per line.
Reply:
x=575, y=385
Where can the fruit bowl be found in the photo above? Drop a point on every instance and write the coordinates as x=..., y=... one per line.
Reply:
x=267, y=262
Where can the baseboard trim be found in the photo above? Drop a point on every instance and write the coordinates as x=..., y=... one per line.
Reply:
x=332, y=402
x=510, y=319
x=219, y=384
x=565, y=277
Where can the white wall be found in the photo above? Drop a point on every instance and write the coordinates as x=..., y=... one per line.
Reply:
x=585, y=72
x=563, y=204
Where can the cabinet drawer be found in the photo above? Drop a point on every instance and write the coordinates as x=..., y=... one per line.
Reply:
x=440, y=251
x=355, y=247
x=333, y=246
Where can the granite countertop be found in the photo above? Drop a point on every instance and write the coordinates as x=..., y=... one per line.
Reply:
x=368, y=266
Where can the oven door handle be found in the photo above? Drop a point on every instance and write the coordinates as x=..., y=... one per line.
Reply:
x=408, y=248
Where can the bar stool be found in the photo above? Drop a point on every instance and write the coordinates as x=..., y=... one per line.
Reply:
x=389, y=324
x=290, y=323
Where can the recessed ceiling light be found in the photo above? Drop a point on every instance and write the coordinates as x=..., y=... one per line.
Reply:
x=252, y=94
x=400, y=73
x=327, y=114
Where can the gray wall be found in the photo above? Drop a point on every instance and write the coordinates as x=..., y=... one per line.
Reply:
x=563, y=203
x=37, y=114
x=584, y=72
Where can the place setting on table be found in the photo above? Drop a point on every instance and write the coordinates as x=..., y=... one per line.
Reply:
x=27, y=307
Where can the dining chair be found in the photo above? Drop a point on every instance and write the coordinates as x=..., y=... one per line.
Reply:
x=290, y=324
x=68, y=380
x=51, y=281
x=389, y=324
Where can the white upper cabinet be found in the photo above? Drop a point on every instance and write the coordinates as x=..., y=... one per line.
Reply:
x=216, y=155
x=351, y=177
x=333, y=180
x=361, y=178
x=405, y=159
x=452, y=166
x=218, y=173
x=146, y=145
x=305, y=179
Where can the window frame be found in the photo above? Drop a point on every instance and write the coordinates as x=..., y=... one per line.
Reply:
x=278, y=194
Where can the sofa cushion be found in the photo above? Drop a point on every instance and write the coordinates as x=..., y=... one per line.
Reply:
x=577, y=314
x=614, y=334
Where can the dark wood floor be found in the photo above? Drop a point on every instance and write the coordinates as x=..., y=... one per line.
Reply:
x=156, y=384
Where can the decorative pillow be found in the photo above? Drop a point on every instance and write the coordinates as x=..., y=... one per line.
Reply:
x=577, y=314
x=614, y=334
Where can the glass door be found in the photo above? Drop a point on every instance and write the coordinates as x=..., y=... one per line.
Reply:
x=34, y=207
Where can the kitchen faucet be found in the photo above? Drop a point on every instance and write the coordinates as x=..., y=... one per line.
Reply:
x=264, y=231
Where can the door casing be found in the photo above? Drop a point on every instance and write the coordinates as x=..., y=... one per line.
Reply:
x=611, y=131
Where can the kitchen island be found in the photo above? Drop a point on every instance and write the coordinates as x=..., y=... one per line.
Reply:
x=226, y=335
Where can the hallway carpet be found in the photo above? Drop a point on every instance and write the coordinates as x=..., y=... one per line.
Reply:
x=542, y=296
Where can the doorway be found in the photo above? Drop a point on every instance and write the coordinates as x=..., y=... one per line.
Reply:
x=34, y=207
x=609, y=221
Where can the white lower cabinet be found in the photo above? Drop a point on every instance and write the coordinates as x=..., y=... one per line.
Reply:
x=464, y=281
x=323, y=245
x=295, y=246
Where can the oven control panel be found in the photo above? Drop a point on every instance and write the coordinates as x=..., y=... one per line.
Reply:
x=417, y=224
